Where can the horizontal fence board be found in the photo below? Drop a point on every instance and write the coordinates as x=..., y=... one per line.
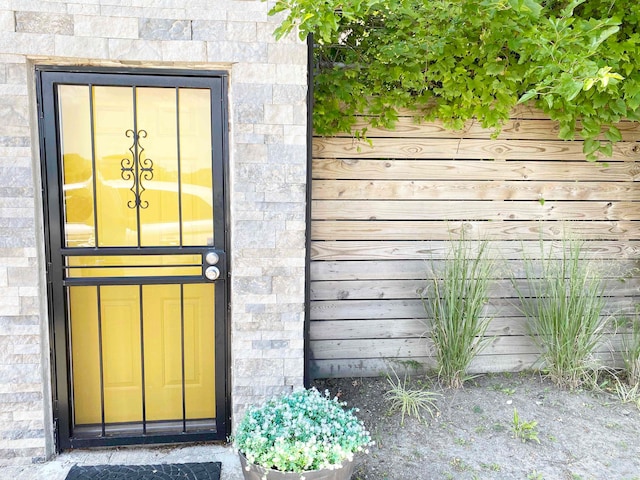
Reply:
x=472, y=210
x=473, y=190
x=418, y=269
x=403, y=347
x=333, y=147
x=363, y=309
x=407, y=347
x=361, y=289
x=365, y=328
x=512, y=129
x=488, y=170
x=401, y=289
x=438, y=249
x=413, y=308
x=401, y=328
x=374, y=367
x=439, y=230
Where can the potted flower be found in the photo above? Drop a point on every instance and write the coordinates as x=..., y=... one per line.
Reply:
x=301, y=435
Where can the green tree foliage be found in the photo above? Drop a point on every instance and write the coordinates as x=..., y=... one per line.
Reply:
x=455, y=60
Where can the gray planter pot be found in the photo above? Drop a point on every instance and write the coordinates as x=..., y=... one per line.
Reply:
x=256, y=472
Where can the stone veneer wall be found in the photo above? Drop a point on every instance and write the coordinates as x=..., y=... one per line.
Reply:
x=267, y=92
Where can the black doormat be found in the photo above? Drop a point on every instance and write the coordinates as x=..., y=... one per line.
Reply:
x=169, y=471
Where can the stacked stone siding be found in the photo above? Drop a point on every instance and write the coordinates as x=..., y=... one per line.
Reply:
x=267, y=182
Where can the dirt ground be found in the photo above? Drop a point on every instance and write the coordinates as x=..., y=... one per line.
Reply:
x=582, y=434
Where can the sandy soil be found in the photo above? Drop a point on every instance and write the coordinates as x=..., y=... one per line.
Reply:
x=583, y=435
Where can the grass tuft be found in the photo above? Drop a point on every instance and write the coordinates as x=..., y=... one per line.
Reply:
x=453, y=301
x=409, y=401
x=564, y=308
x=631, y=350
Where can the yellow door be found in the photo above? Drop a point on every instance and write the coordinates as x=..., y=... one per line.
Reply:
x=136, y=175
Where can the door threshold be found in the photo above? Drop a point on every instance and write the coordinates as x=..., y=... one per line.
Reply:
x=152, y=428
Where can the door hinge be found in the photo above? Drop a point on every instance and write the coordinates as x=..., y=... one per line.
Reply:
x=55, y=418
x=56, y=433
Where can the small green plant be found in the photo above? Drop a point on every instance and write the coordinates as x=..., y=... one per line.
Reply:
x=497, y=427
x=494, y=467
x=480, y=429
x=524, y=430
x=628, y=393
x=506, y=390
x=564, y=305
x=459, y=465
x=535, y=475
x=301, y=431
x=409, y=401
x=409, y=364
x=453, y=300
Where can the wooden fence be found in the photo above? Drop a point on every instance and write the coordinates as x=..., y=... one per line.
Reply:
x=383, y=215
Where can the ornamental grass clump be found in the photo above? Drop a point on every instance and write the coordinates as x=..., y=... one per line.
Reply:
x=454, y=300
x=564, y=304
x=301, y=431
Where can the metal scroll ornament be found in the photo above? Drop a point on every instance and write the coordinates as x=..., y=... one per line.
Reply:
x=137, y=169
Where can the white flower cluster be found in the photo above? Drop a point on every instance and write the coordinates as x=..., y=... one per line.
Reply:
x=302, y=431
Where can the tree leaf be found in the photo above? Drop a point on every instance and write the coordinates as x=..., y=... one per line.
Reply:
x=603, y=35
x=568, y=10
x=590, y=127
x=527, y=96
x=613, y=134
x=591, y=146
x=606, y=149
x=566, y=132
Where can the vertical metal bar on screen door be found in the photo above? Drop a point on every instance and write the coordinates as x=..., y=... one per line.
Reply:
x=136, y=162
x=144, y=400
x=100, y=357
x=184, y=393
x=179, y=170
x=94, y=173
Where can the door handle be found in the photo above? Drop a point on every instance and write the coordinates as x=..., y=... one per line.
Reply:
x=211, y=258
x=212, y=273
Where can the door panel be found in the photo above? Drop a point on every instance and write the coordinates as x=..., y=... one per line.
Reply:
x=199, y=351
x=163, y=346
x=78, y=188
x=121, y=353
x=113, y=140
x=85, y=327
x=132, y=265
x=195, y=138
x=135, y=208
x=173, y=330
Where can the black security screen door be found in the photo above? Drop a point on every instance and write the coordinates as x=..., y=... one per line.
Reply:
x=133, y=169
